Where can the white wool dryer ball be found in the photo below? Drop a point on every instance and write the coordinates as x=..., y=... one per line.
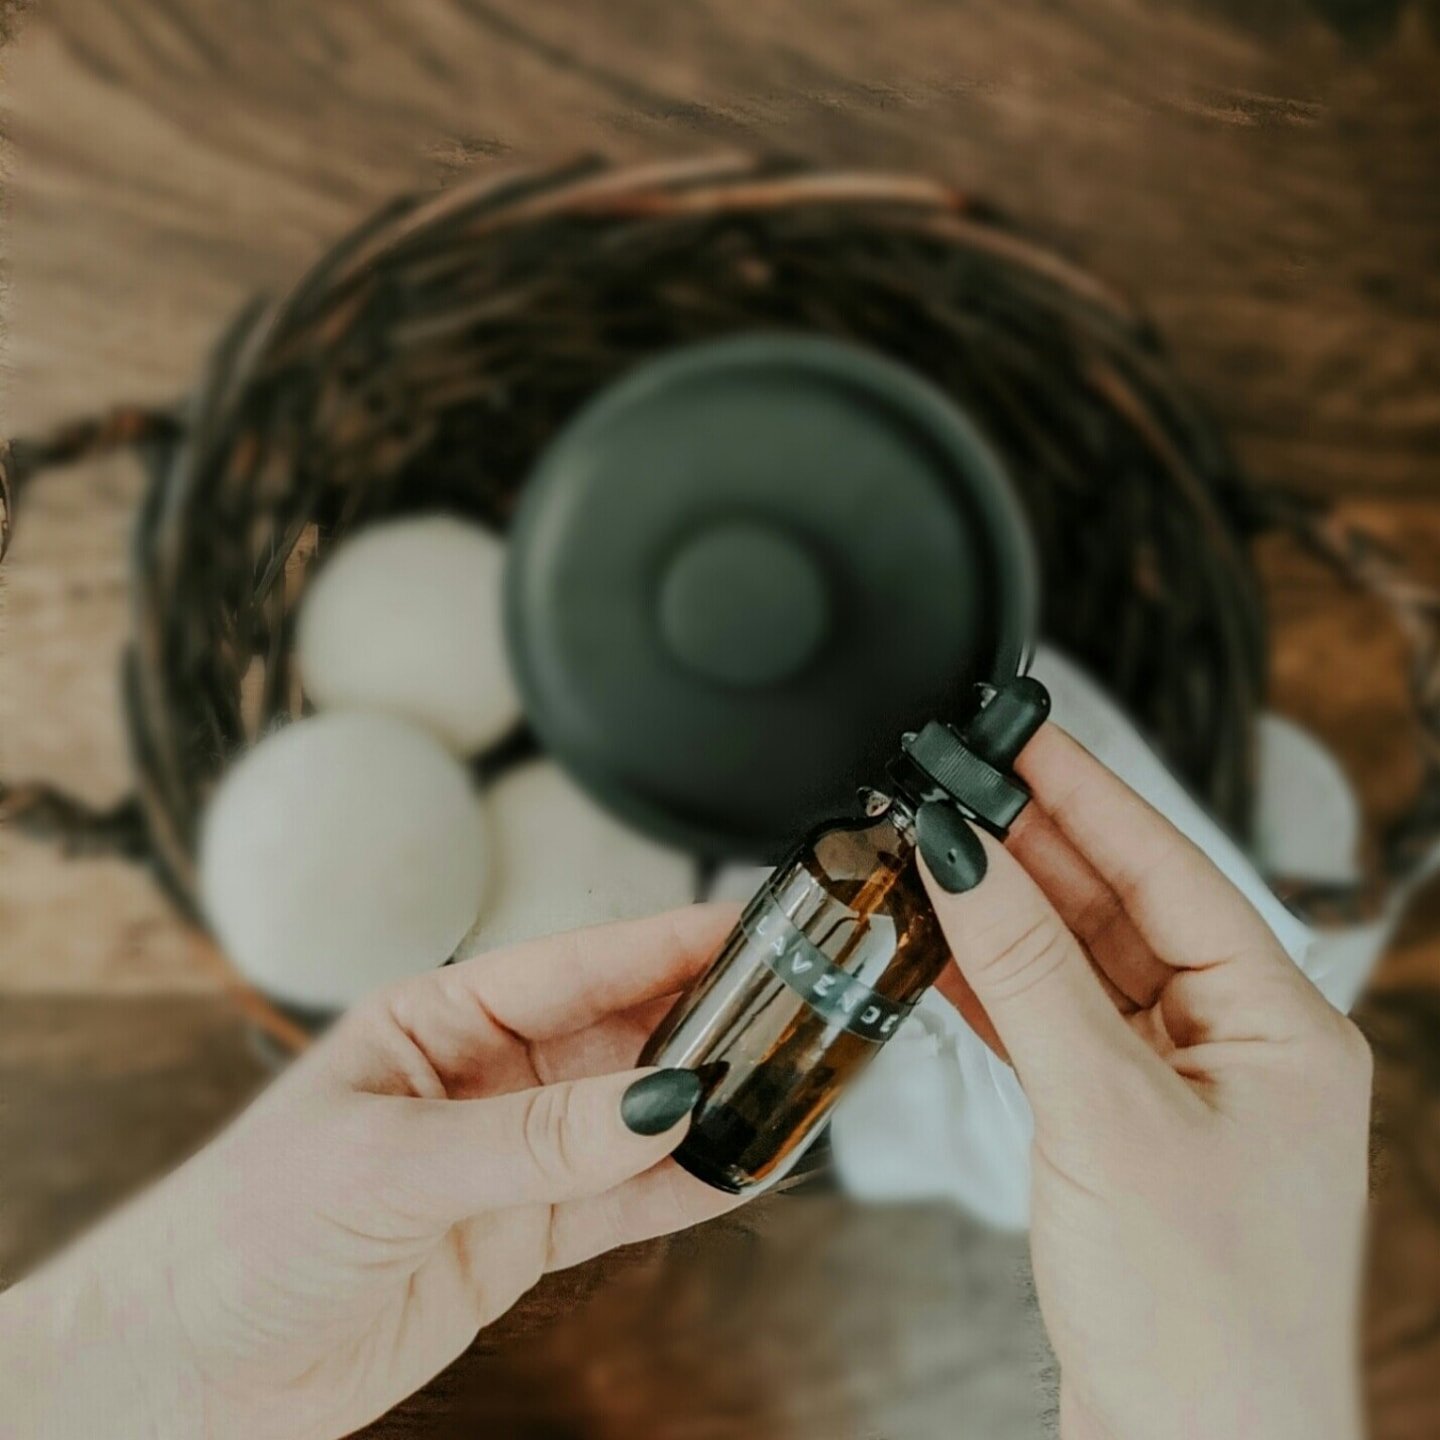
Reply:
x=562, y=862
x=1307, y=821
x=406, y=618
x=343, y=851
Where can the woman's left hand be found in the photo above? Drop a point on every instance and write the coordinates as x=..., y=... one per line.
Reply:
x=449, y=1141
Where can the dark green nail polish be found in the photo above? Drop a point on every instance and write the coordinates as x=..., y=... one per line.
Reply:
x=652, y=1105
x=951, y=848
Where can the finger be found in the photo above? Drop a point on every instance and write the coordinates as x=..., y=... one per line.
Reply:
x=488, y=1025
x=1189, y=914
x=658, y=1202
x=953, y=985
x=1088, y=906
x=1131, y=970
x=1063, y=1034
x=1233, y=1004
x=563, y=983
x=448, y=1159
x=613, y=1044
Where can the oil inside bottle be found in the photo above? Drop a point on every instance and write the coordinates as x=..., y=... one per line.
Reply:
x=825, y=963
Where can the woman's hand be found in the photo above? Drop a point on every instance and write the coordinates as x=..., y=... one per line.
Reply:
x=1201, y=1122
x=446, y=1144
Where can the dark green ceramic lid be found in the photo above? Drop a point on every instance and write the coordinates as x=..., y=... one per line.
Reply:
x=741, y=572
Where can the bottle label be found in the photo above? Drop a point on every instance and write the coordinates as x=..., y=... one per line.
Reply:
x=831, y=992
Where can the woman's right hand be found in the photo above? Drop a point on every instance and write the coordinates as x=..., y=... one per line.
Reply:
x=1201, y=1122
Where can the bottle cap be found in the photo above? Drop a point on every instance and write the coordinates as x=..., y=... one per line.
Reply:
x=974, y=767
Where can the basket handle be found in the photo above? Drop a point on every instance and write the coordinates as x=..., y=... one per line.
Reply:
x=126, y=427
x=36, y=808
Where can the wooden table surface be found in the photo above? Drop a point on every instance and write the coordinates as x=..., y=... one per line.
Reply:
x=1263, y=174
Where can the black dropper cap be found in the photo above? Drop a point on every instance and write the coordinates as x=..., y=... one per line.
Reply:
x=973, y=768
x=1002, y=728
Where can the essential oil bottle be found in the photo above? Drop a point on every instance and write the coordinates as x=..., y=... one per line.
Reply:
x=833, y=952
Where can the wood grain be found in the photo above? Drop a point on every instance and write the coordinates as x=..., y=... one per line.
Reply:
x=1264, y=176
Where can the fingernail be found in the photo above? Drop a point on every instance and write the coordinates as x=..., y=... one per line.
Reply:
x=652, y=1105
x=951, y=848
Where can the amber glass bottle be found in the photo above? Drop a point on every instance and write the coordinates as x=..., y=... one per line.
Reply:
x=826, y=961
x=830, y=956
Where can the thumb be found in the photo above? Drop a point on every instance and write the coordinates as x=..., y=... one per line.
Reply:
x=1064, y=1036
x=542, y=1146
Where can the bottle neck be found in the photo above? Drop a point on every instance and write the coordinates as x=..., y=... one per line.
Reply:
x=908, y=788
x=897, y=803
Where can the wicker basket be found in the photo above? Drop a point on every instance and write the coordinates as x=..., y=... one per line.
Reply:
x=426, y=360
